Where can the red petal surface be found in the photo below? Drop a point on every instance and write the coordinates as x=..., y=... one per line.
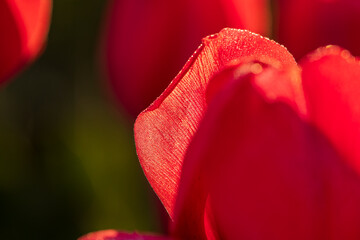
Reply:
x=193, y=216
x=304, y=25
x=147, y=42
x=35, y=15
x=331, y=79
x=23, y=26
x=115, y=235
x=164, y=130
x=264, y=172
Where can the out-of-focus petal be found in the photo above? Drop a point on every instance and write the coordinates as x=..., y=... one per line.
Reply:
x=264, y=172
x=164, y=130
x=147, y=42
x=23, y=27
x=331, y=78
x=193, y=215
x=115, y=235
x=304, y=25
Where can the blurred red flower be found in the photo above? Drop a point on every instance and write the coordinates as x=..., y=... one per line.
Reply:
x=245, y=143
x=147, y=42
x=24, y=26
x=304, y=25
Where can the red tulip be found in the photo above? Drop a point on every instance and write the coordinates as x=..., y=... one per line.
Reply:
x=146, y=43
x=304, y=25
x=246, y=144
x=23, y=27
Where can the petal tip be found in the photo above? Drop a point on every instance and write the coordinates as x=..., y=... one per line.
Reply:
x=331, y=50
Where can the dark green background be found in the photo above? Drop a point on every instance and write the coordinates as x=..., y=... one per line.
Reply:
x=67, y=160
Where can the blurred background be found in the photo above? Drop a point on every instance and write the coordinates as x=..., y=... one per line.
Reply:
x=67, y=161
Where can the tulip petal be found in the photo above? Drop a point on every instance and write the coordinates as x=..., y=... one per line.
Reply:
x=23, y=26
x=164, y=130
x=192, y=202
x=305, y=25
x=159, y=36
x=115, y=235
x=264, y=172
x=35, y=15
x=331, y=79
